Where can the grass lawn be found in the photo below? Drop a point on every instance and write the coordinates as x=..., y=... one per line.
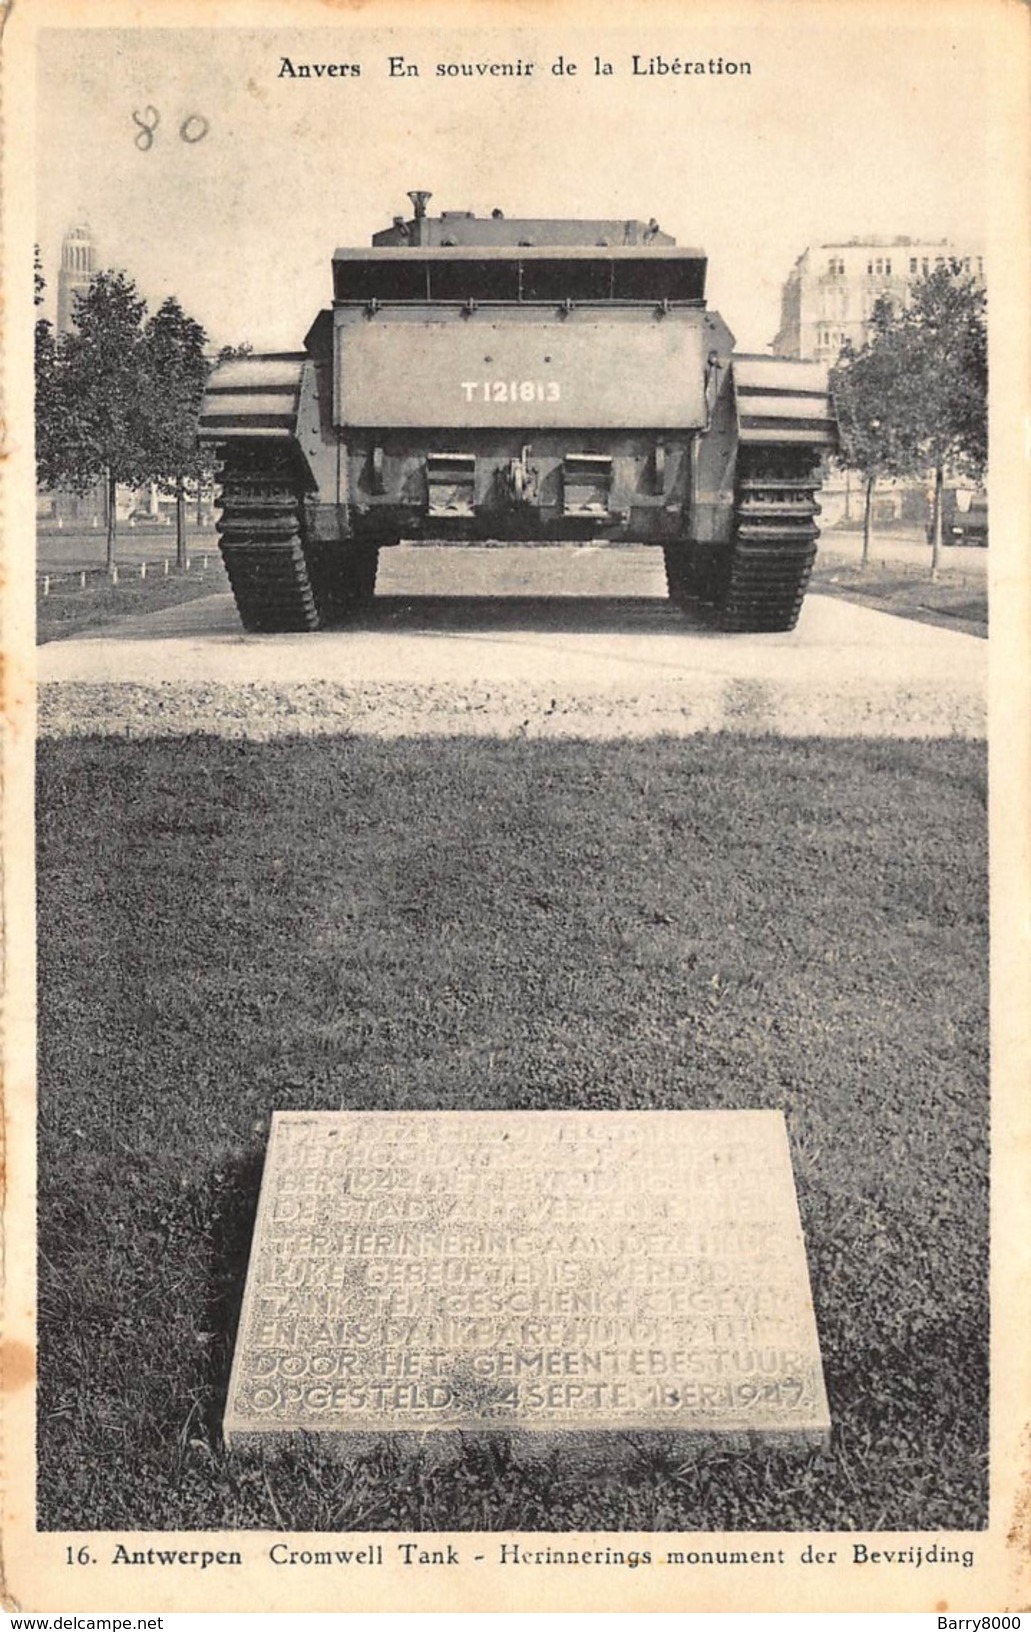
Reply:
x=229, y=928
x=69, y=610
x=908, y=594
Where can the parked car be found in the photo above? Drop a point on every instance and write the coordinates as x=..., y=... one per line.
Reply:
x=968, y=526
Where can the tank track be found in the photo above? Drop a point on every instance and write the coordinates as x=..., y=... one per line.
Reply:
x=261, y=536
x=282, y=579
x=760, y=583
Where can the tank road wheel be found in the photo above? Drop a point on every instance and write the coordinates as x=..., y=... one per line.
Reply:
x=760, y=582
x=261, y=536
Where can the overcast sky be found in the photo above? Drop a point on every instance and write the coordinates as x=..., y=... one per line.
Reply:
x=836, y=133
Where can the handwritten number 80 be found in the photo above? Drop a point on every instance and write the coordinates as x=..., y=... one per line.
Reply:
x=193, y=129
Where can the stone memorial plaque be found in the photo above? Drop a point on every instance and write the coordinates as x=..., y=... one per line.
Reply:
x=535, y=1272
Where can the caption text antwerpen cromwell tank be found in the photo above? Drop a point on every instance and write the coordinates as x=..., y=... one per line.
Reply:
x=525, y=380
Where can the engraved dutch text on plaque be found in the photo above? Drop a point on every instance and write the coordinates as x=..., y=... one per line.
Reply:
x=530, y=1272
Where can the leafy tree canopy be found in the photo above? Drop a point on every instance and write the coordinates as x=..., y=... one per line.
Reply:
x=176, y=369
x=946, y=341
x=871, y=390
x=102, y=387
x=48, y=415
x=915, y=397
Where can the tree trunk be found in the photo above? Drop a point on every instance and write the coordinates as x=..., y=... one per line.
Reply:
x=936, y=534
x=200, y=504
x=864, y=560
x=180, y=525
x=112, y=518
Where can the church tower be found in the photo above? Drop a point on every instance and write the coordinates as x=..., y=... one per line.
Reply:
x=78, y=264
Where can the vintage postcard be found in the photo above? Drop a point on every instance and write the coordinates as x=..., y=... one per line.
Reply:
x=515, y=875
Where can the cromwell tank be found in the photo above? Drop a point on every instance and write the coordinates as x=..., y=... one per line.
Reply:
x=517, y=379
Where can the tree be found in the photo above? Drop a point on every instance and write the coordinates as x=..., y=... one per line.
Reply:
x=176, y=369
x=118, y=398
x=100, y=395
x=871, y=393
x=916, y=396
x=48, y=416
x=39, y=282
x=943, y=338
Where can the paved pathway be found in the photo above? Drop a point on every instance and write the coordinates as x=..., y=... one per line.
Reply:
x=588, y=661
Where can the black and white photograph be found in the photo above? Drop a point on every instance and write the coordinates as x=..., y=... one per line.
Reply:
x=515, y=1049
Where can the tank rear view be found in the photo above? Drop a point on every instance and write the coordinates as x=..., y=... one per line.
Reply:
x=517, y=379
